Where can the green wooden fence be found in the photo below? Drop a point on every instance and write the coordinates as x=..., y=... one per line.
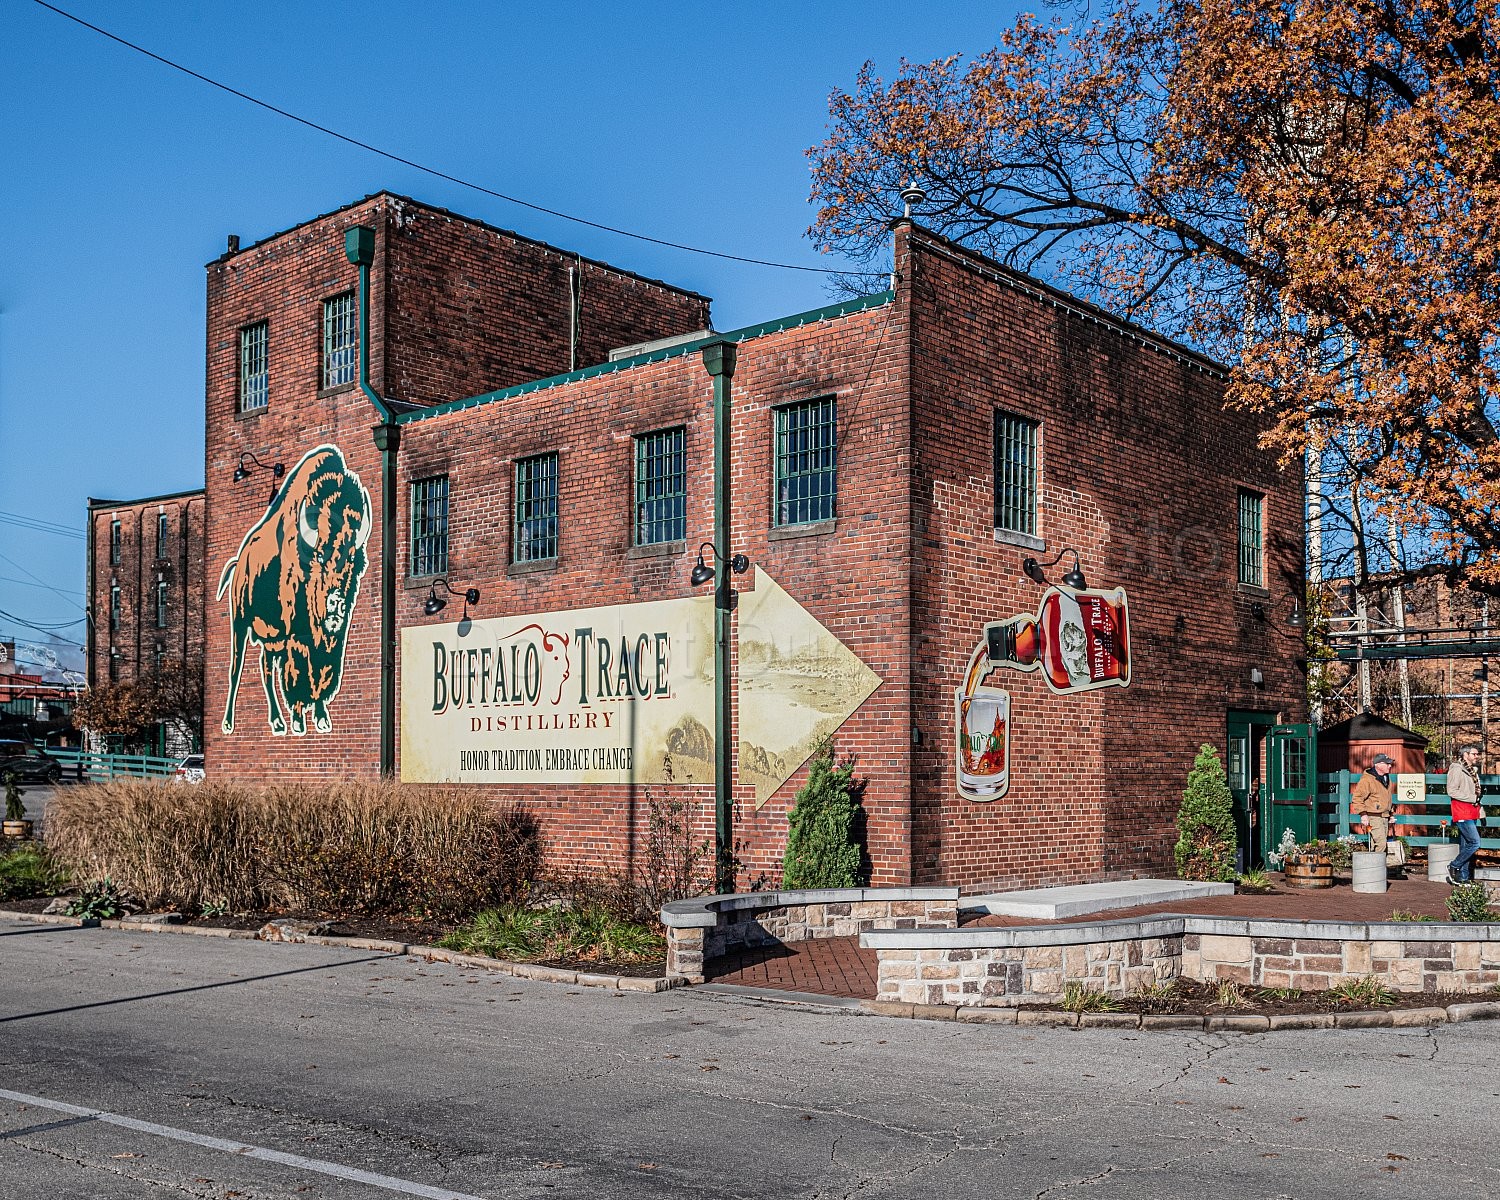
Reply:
x=1420, y=827
x=82, y=764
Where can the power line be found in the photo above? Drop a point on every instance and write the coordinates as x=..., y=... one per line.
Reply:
x=43, y=582
x=36, y=524
x=25, y=583
x=48, y=628
x=433, y=171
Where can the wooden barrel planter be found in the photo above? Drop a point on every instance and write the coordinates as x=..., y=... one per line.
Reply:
x=1309, y=873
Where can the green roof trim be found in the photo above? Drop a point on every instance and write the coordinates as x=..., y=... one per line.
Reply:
x=654, y=356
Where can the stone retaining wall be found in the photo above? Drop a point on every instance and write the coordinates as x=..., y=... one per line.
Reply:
x=710, y=926
x=1033, y=965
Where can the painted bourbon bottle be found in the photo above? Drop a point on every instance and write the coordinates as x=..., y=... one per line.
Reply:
x=1078, y=640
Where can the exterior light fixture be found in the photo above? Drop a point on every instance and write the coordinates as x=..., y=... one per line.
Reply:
x=1036, y=571
x=1256, y=678
x=435, y=604
x=241, y=471
x=1295, y=620
x=1258, y=610
x=702, y=573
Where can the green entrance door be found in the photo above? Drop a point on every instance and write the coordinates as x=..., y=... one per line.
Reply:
x=1245, y=740
x=1289, y=803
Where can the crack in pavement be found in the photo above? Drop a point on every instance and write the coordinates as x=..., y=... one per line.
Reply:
x=182, y=1188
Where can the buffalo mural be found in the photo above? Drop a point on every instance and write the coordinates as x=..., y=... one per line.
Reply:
x=292, y=588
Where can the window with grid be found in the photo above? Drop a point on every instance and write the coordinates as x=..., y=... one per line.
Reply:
x=807, y=462
x=114, y=607
x=1015, y=474
x=255, y=371
x=536, y=508
x=660, y=487
x=1251, y=541
x=429, y=526
x=114, y=666
x=163, y=535
x=114, y=543
x=158, y=658
x=340, y=340
x=161, y=603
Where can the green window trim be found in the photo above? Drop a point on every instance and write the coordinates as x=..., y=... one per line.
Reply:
x=1015, y=454
x=534, y=528
x=340, y=340
x=1251, y=539
x=807, y=462
x=255, y=375
x=661, y=487
x=429, y=526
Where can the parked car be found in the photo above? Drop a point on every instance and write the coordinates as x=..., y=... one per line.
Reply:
x=190, y=769
x=28, y=763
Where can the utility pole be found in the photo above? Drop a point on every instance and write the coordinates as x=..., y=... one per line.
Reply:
x=1398, y=618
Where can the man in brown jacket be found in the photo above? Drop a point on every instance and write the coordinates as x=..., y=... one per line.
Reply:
x=1371, y=799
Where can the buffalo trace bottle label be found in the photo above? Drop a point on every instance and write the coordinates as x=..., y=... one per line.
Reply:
x=1078, y=640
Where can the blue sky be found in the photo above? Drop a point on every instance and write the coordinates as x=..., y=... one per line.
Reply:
x=122, y=178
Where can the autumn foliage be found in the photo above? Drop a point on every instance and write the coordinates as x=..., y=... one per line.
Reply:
x=1307, y=191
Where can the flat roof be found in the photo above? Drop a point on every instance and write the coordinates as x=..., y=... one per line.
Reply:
x=93, y=503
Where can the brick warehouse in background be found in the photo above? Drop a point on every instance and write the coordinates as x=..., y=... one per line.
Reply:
x=864, y=451
x=145, y=583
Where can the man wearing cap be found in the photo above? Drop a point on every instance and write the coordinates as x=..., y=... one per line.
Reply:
x=1371, y=799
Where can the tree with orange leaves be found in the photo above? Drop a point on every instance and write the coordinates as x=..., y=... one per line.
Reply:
x=1308, y=190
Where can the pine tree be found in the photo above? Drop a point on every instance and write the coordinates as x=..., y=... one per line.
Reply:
x=1205, y=822
x=820, y=848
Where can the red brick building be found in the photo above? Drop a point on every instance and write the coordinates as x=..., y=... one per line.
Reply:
x=146, y=604
x=892, y=463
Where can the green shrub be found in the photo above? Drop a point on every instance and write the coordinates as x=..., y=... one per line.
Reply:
x=585, y=934
x=359, y=847
x=98, y=901
x=1469, y=902
x=15, y=808
x=821, y=850
x=1205, y=822
x=29, y=870
x=1404, y=915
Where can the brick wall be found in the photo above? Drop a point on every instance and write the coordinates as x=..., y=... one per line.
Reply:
x=851, y=576
x=1140, y=471
x=139, y=570
x=443, y=326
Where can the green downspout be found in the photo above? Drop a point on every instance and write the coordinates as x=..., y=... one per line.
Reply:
x=359, y=247
x=719, y=358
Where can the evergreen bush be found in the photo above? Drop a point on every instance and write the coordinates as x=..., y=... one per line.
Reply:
x=1205, y=822
x=821, y=849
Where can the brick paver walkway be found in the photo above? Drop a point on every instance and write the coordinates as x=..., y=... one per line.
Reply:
x=838, y=967
x=828, y=966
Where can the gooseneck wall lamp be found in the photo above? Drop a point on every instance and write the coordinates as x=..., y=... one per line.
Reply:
x=435, y=604
x=702, y=573
x=1036, y=571
x=242, y=472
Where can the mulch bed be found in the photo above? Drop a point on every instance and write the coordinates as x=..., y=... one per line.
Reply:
x=387, y=929
x=1191, y=998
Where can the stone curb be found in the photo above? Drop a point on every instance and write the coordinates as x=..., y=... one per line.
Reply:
x=1219, y=1023
x=620, y=983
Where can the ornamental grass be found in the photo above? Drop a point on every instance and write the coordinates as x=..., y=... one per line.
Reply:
x=352, y=848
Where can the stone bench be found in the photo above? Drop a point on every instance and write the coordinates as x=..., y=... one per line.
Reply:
x=710, y=926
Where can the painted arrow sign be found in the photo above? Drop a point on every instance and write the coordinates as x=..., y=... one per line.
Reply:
x=797, y=684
